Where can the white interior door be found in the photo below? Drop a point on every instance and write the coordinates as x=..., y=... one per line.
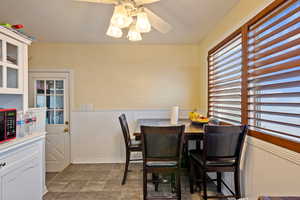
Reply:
x=51, y=90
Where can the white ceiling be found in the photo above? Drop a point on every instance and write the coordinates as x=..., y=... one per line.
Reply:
x=69, y=21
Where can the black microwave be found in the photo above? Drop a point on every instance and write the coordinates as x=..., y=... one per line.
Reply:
x=8, y=121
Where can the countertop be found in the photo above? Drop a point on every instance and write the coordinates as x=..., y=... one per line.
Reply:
x=6, y=146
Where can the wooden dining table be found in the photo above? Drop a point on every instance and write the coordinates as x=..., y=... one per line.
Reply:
x=192, y=132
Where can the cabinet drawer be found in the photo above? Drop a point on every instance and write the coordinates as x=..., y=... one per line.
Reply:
x=16, y=155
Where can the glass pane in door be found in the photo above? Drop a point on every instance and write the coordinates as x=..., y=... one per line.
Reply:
x=40, y=101
x=12, y=77
x=50, y=116
x=55, y=117
x=50, y=86
x=59, y=84
x=50, y=102
x=40, y=87
x=59, y=117
x=59, y=102
x=12, y=54
x=1, y=76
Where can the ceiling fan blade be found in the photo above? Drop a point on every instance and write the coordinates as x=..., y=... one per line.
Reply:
x=157, y=22
x=142, y=2
x=100, y=1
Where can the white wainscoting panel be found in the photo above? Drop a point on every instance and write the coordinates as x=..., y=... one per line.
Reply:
x=96, y=137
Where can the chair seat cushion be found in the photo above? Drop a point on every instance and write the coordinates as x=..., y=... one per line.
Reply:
x=198, y=158
x=161, y=163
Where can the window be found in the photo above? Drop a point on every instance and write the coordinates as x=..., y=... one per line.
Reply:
x=262, y=89
x=225, y=66
x=274, y=72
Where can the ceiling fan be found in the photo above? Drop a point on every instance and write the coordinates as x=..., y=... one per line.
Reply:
x=133, y=15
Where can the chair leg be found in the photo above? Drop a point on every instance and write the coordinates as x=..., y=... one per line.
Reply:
x=191, y=176
x=155, y=178
x=219, y=183
x=173, y=183
x=145, y=184
x=126, y=167
x=178, y=184
x=237, y=183
x=204, y=179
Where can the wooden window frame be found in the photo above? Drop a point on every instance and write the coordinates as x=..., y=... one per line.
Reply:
x=244, y=29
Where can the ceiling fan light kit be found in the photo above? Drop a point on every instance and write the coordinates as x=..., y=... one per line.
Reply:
x=114, y=31
x=133, y=34
x=121, y=17
x=133, y=15
x=142, y=24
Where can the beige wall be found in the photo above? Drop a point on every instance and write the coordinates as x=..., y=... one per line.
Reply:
x=240, y=14
x=126, y=76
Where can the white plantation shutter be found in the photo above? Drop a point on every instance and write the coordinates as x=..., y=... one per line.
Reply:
x=254, y=75
x=224, y=85
x=274, y=72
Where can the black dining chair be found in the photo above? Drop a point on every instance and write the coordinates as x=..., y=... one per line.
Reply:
x=199, y=142
x=131, y=145
x=162, y=151
x=222, y=150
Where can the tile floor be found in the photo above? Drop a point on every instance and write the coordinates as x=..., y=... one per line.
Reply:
x=101, y=182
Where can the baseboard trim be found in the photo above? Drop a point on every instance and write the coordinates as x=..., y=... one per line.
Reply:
x=95, y=161
x=45, y=190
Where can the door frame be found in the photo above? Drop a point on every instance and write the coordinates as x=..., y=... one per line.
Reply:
x=70, y=73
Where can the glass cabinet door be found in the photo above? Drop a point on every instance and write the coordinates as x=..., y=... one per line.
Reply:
x=11, y=77
x=1, y=62
x=1, y=76
x=12, y=53
x=1, y=54
x=12, y=70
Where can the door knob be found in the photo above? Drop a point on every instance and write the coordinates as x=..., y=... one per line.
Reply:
x=66, y=130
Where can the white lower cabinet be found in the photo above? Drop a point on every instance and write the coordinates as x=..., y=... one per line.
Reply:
x=23, y=181
x=22, y=173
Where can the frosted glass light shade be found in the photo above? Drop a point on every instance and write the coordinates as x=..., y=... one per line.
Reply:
x=114, y=31
x=120, y=17
x=134, y=35
x=142, y=24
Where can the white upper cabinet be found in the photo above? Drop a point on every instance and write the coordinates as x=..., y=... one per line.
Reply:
x=11, y=66
x=13, y=63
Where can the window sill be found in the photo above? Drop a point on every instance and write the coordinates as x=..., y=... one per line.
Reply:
x=291, y=145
